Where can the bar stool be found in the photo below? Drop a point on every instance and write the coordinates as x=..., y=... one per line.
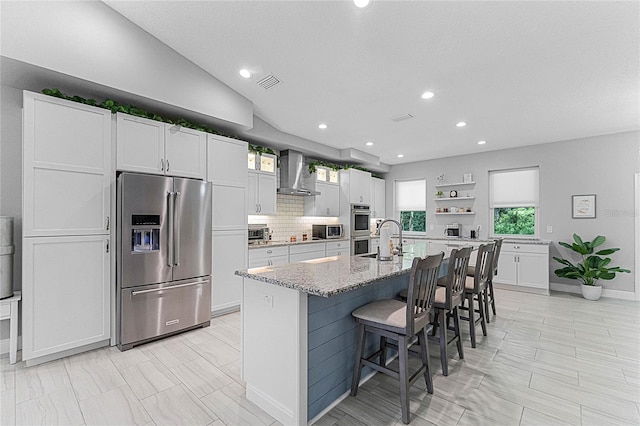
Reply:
x=402, y=322
x=476, y=290
x=445, y=305
x=471, y=272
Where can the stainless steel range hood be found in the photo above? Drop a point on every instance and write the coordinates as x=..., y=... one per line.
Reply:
x=291, y=172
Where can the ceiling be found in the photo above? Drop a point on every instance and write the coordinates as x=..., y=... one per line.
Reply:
x=518, y=73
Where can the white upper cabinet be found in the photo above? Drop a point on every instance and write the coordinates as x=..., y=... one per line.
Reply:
x=327, y=203
x=140, y=144
x=261, y=193
x=262, y=183
x=357, y=185
x=185, y=152
x=225, y=169
x=378, y=198
x=149, y=146
x=225, y=161
x=66, y=167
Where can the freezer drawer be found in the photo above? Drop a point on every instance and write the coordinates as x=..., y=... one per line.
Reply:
x=152, y=311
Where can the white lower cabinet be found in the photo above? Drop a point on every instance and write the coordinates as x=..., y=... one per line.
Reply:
x=268, y=256
x=229, y=254
x=65, y=289
x=338, y=248
x=524, y=265
x=298, y=253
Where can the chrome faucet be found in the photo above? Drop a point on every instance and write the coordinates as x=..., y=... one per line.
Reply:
x=399, y=246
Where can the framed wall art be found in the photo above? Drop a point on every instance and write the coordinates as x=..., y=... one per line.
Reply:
x=584, y=206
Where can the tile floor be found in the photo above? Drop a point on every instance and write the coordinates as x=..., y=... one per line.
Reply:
x=548, y=360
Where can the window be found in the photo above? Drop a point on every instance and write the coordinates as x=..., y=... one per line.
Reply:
x=411, y=204
x=514, y=201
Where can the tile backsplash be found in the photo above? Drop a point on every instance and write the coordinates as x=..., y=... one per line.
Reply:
x=289, y=219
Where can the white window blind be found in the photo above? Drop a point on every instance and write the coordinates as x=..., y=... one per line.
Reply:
x=513, y=188
x=411, y=195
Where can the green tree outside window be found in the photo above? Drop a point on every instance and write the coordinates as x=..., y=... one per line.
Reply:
x=413, y=220
x=514, y=220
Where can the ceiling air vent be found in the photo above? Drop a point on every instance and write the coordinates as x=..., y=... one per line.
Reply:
x=268, y=82
x=402, y=117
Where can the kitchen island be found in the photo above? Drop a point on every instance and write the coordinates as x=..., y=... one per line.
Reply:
x=298, y=336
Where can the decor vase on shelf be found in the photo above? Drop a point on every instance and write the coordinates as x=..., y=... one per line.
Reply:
x=592, y=266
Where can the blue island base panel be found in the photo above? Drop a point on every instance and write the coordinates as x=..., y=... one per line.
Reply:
x=332, y=339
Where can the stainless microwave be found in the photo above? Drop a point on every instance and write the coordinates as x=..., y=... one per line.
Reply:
x=258, y=234
x=325, y=232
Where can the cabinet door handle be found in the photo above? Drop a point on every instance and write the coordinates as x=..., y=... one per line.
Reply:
x=269, y=251
x=168, y=165
x=107, y=225
x=107, y=246
x=162, y=164
x=256, y=208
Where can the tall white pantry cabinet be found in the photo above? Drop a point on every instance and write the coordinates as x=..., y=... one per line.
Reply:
x=227, y=171
x=67, y=216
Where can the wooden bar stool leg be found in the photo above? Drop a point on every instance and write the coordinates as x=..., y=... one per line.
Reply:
x=481, y=311
x=358, y=366
x=472, y=323
x=456, y=324
x=424, y=353
x=443, y=342
x=493, y=299
x=383, y=350
x=486, y=304
x=403, y=355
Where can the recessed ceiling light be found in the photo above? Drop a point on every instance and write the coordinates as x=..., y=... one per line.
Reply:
x=369, y=144
x=362, y=3
x=322, y=126
x=400, y=155
x=461, y=124
x=427, y=95
x=245, y=73
x=481, y=142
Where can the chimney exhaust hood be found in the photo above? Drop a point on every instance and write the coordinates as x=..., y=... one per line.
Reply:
x=291, y=172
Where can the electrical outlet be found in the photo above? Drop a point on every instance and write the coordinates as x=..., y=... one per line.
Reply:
x=549, y=229
x=431, y=227
x=267, y=299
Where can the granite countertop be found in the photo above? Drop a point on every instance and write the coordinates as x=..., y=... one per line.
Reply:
x=533, y=241
x=289, y=243
x=329, y=276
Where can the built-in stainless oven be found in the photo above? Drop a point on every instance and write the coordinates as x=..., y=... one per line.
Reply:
x=360, y=245
x=360, y=216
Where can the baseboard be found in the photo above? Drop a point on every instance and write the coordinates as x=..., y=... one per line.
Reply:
x=271, y=406
x=521, y=288
x=46, y=358
x=224, y=309
x=613, y=294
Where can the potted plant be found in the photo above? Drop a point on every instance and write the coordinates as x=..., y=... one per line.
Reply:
x=439, y=194
x=591, y=268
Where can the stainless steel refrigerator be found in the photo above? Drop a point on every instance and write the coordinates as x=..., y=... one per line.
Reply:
x=163, y=263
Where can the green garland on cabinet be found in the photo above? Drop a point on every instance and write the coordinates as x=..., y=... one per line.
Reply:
x=115, y=106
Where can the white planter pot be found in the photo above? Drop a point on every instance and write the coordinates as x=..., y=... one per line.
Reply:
x=591, y=292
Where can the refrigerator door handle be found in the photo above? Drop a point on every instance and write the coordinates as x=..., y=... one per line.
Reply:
x=176, y=237
x=170, y=226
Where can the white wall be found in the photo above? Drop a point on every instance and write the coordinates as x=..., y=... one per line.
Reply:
x=91, y=41
x=601, y=165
